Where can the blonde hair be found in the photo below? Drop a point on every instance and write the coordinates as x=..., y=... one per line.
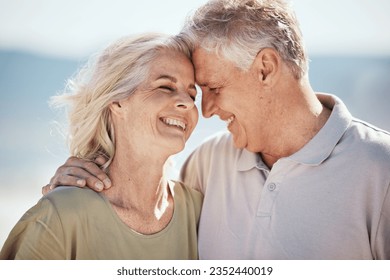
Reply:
x=112, y=76
x=239, y=29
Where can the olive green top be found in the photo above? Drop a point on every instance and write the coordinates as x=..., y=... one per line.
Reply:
x=74, y=223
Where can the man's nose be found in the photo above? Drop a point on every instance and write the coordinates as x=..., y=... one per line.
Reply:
x=208, y=105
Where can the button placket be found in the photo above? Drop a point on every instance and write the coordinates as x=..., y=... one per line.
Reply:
x=272, y=187
x=268, y=197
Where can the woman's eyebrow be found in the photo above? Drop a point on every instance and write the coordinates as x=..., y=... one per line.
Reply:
x=173, y=79
x=167, y=77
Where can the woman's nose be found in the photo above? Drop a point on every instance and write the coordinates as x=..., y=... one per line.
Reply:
x=184, y=101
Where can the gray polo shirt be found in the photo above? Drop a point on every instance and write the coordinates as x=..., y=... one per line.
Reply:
x=330, y=200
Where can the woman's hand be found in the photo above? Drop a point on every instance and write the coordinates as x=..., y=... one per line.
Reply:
x=80, y=173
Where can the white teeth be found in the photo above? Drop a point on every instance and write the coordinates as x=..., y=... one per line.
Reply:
x=230, y=120
x=174, y=122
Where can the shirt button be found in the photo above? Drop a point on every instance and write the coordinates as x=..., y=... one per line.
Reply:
x=271, y=187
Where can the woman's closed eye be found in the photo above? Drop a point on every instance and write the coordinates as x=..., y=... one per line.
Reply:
x=165, y=87
x=171, y=89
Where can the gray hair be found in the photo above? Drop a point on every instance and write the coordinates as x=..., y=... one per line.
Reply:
x=109, y=77
x=239, y=29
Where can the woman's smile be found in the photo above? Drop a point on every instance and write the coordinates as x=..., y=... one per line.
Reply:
x=173, y=122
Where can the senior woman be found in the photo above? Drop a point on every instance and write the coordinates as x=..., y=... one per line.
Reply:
x=135, y=107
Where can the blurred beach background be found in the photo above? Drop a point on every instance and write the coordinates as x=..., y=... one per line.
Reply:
x=43, y=42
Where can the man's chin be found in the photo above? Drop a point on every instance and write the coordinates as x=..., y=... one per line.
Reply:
x=239, y=144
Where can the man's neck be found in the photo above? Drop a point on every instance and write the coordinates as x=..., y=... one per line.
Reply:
x=306, y=118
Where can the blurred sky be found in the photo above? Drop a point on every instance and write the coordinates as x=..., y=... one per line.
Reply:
x=73, y=29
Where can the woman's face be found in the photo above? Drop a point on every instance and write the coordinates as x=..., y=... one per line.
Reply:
x=161, y=113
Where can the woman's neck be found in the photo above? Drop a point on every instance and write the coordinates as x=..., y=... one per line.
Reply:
x=139, y=193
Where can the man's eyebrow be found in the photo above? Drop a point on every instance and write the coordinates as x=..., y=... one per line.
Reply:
x=206, y=83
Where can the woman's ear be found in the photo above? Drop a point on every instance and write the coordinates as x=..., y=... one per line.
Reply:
x=116, y=107
x=267, y=63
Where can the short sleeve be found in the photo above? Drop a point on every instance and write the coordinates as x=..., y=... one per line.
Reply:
x=37, y=235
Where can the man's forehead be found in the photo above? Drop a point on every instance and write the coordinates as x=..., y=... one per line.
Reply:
x=202, y=78
x=200, y=54
x=207, y=79
x=203, y=64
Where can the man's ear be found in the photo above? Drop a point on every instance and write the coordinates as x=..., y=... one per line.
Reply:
x=268, y=65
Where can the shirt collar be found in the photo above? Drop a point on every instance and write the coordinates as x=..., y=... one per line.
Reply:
x=248, y=160
x=323, y=143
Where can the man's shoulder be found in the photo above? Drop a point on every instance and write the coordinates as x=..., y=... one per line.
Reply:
x=217, y=153
x=371, y=133
x=216, y=148
x=371, y=140
x=219, y=141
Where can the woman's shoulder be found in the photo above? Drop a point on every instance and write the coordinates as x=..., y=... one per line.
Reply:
x=188, y=194
x=187, y=198
x=184, y=190
x=56, y=209
x=68, y=200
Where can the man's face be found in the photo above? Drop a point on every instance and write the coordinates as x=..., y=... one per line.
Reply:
x=232, y=94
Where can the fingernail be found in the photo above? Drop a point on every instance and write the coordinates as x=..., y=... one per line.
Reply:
x=51, y=187
x=99, y=186
x=80, y=182
x=107, y=183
